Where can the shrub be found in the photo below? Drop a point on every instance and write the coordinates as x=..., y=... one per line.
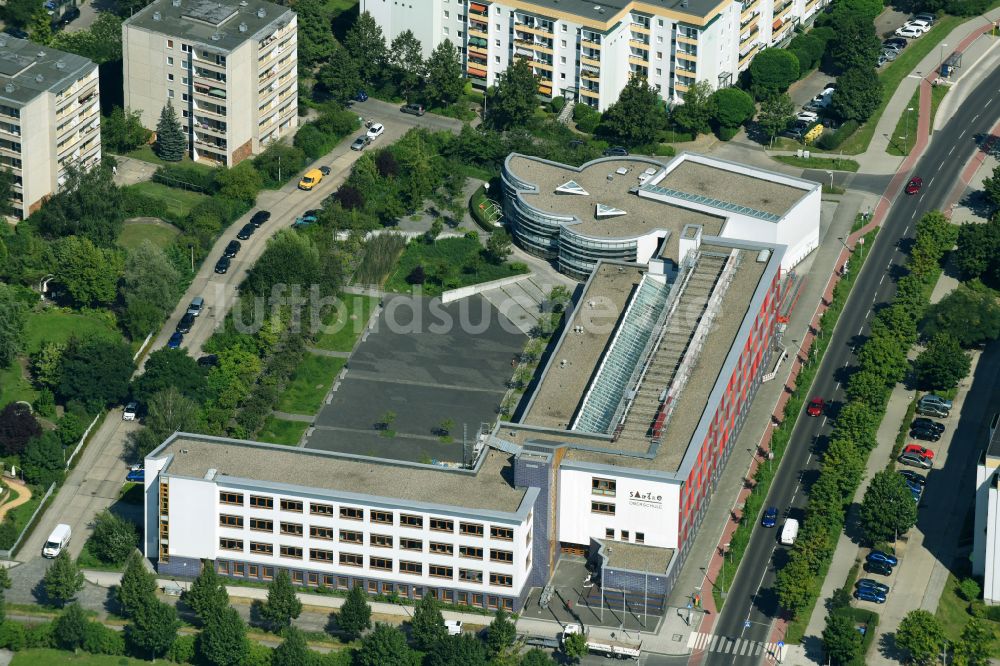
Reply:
x=318, y=137
x=12, y=635
x=137, y=204
x=557, y=104
x=587, y=119
x=41, y=635
x=98, y=639
x=187, y=177
x=727, y=133
x=182, y=650
x=832, y=140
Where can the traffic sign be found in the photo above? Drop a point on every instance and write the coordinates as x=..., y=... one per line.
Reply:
x=746, y=625
x=690, y=606
x=781, y=644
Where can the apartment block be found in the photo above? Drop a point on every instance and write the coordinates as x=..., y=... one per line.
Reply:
x=587, y=51
x=229, y=69
x=50, y=118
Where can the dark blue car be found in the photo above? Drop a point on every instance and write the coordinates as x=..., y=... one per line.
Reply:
x=873, y=584
x=136, y=476
x=362, y=96
x=879, y=556
x=175, y=341
x=869, y=594
x=770, y=518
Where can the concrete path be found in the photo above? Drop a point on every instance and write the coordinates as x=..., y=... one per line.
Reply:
x=327, y=352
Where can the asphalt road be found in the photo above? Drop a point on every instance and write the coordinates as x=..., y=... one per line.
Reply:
x=752, y=599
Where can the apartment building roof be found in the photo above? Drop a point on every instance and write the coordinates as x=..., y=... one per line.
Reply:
x=490, y=489
x=604, y=11
x=219, y=26
x=28, y=69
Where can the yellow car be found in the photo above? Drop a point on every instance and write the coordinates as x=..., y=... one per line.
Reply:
x=311, y=179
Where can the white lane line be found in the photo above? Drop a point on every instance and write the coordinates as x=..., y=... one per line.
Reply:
x=962, y=134
x=913, y=215
x=907, y=228
x=975, y=117
x=822, y=424
x=951, y=151
x=809, y=459
x=930, y=183
x=880, y=282
x=838, y=386
x=988, y=103
x=861, y=329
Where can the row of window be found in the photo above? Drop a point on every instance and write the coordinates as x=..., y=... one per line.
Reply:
x=609, y=533
x=376, y=563
x=374, y=515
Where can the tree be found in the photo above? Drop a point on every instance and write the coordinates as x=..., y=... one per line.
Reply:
x=70, y=628
x=858, y=94
x=289, y=258
x=166, y=413
x=43, y=462
x=637, y=115
x=887, y=509
x=282, y=605
x=385, y=646
x=854, y=45
x=575, y=647
x=842, y=642
x=867, y=387
x=63, y=579
x=417, y=275
x=537, y=657
x=355, y=616
x=12, y=317
x=921, y=635
x=149, y=288
x=460, y=650
x=40, y=27
x=969, y=315
x=293, y=650
x=207, y=596
x=794, y=585
x=7, y=181
x=978, y=248
x=407, y=59
x=365, y=43
x=975, y=645
x=95, y=371
x=114, y=538
x=444, y=82
x=896, y=322
x=171, y=143
x=969, y=589
x=18, y=13
x=991, y=187
x=695, y=114
x=731, y=107
x=512, y=101
x=856, y=423
x=102, y=42
x=138, y=585
x=884, y=356
x=122, y=131
x=17, y=427
x=427, y=626
x=942, y=364
x=88, y=205
x=500, y=634
x=316, y=40
x=89, y=273
x=242, y=182
x=772, y=71
x=170, y=368
x=223, y=641
x=498, y=246
x=153, y=628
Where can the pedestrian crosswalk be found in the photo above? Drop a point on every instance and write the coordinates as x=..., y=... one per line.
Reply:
x=739, y=647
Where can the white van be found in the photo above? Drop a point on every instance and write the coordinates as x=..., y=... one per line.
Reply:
x=789, y=532
x=58, y=540
x=454, y=627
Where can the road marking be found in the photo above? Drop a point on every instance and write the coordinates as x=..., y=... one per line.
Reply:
x=809, y=459
x=975, y=117
x=931, y=182
x=822, y=424
x=913, y=215
x=905, y=230
x=880, y=283
x=698, y=641
x=951, y=151
x=838, y=386
x=862, y=328
x=962, y=134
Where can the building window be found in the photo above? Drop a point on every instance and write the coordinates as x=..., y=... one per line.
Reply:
x=230, y=544
x=222, y=568
x=609, y=533
x=442, y=525
x=564, y=27
x=227, y=520
x=380, y=540
x=352, y=513
x=184, y=96
x=446, y=31
x=599, y=486
x=471, y=552
x=352, y=560
x=470, y=575
x=471, y=529
x=415, y=568
x=261, y=525
x=186, y=48
x=294, y=552
x=261, y=548
x=439, y=548
x=170, y=77
x=229, y=498
x=411, y=544
x=624, y=535
x=505, y=556
x=329, y=581
x=295, y=529
x=314, y=579
x=382, y=517
x=291, y=505
x=408, y=520
x=170, y=61
x=501, y=580
x=640, y=537
x=261, y=502
x=502, y=533
x=170, y=43
x=447, y=15
x=319, y=555
x=659, y=55
x=349, y=536
x=373, y=587
x=439, y=571
x=325, y=533
x=320, y=509
x=297, y=577
x=268, y=573
x=380, y=563
x=252, y=571
x=184, y=80
x=602, y=507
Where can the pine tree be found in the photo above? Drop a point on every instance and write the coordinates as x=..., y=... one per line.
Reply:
x=223, y=641
x=282, y=605
x=427, y=627
x=293, y=650
x=500, y=634
x=207, y=596
x=71, y=628
x=138, y=585
x=63, y=579
x=153, y=628
x=355, y=615
x=170, y=142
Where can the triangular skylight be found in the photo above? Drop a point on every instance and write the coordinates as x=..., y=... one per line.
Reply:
x=572, y=187
x=608, y=211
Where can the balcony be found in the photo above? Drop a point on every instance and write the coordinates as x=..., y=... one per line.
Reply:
x=587, y=44
x=478, y=9
x=687, y=56
x=590, y=61
x=534, y=30
x=636, y=60
x=481, y=34
x=749, y=7
x=745, y=23
x=209, y=142
x=682, y=39
x=588, y=75
x=10, y=130
x=211, y=93
x=639, y=27
x=211, y=110
x=586, y=92
x=206, y=125
x=680, y=87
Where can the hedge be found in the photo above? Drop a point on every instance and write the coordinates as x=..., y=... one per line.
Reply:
x=832, y=140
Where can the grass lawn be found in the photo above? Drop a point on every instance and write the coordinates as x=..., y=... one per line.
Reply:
x=134, y=233
x=310, y=382
x=13, y=385
x=179, y=202
x=279, y=431
x=58, y=326
x=346, y=323
x=448, y=263
x=46, y=657
x=952, y=610
x=905, y=135
x=937, y=96
x=146, y=154
x=89, y=560
x=894, y=73
x=818, y=163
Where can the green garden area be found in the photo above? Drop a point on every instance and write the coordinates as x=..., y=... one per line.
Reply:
x=160, y=234
x=280, y=431
x=447, y=263
x=178, y=202
x=310, y=382
x=345, y=324
x=49, y=657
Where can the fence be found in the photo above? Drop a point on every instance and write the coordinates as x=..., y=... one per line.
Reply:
x=83, y=438
x=7, y=554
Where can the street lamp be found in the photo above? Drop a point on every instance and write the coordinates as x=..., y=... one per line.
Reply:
x=906, y=142
x=725, y=556
x=830, y=173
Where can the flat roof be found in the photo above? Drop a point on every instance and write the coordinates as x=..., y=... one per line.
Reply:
x=604, y=10
x=752, y=189
x=635, y=557
x=28, y=69
x=219, y=26
x=489, y=489
x=993, y=447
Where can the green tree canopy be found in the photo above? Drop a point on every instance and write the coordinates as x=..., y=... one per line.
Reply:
x=842, y=642
x=95, y=371
x=975, y=645
x=498, y=246
x=12, y=319
x=638, y=114
x=461, y=650
x=149, y=288
x=290, y=258
x=921, y=635
x=858, y=94
x=167, y=412
x=884, y=355
x=355, y=616
x=316, y=40
x=942, y=364
x=89, y=205
x=978, y=251
x=70, y=628
x=7, y=181
x=969, y=315
x=18, y=426
x=171, y=144
x=695, y=114
x=991, y=187
x=513, y=100
x=445, y=81
x=138, y=585
x=207, y=596
x=166, y=368
x=282, y=605
x=427, y=626
x=18, y=13
x=114, y=538
x=731, y=107
x=406, y=57
x=854, y=45
x=89, y=274
x=63, y=579
x=223, y=641
x=772, y=71
x=867, y=387
x=293, y=650
x=43, y=462
x=575, y=647
x=101, y=42
x=500, y=634
x=153, y=628
x=365, y=43
x=122, y=131
x=888, y=508
x=385, y=646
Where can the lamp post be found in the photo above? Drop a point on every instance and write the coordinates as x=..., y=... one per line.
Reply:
x=906, y=142
x=941, y=56
x=830, y=173
x=725, y=556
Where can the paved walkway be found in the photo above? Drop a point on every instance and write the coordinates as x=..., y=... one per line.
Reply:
x=23, y=495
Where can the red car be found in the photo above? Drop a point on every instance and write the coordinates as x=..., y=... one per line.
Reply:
x=919, y=450
x=914, y=185
x=816, y=407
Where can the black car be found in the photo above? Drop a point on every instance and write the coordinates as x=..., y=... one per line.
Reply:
x=222, y=265
x=413, y=109
x=16, y=32
x=232, y=249
x=926, y=434
x=185, y=324
x=925, y=423
x=208, y=361
x=616, y=151
x=880, y=568
x=67, y=17
x=895, y=42
x=873, y=584
x=260, y=217
x=912, y=476
x=325, y=170
x=246, y=232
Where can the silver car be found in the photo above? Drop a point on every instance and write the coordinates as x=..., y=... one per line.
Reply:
x=931, y=399
x=916, y=460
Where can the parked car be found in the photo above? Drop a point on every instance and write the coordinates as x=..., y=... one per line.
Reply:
x=881, y=60
x=927, y=423
x=208, y=361
x=873, y=584
x=816, y=406
x=260, y=217
x=914, y=185
x=926, y=434
x=882, y=556
x=60, y=21
x=910, y=32
x=880, y=568
x=931, y=399
x=175, y=341
x=304, y=220
x=413, y=109
x=325, y=170
x=130, y=410
x=918, y=23
x=196, y=306
x=770, y=518
x=186, y=322
x=807, y=116
x=920, y=450
x=360, y=143
x=16, y=32
x=136, y=475
x=246, y=232
x=890, y=54
x=926, y=18
x=311, y=179
x=232, y=249
x=896, y=43
x=910, y=475
x=222, y=265
x=375, y=131
x=869, y=594
x=936, y=411
x=362, y=96
x=915, y=460
x=616, y=151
